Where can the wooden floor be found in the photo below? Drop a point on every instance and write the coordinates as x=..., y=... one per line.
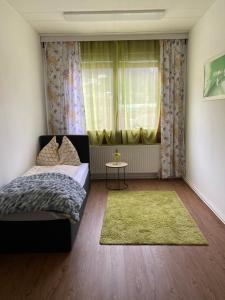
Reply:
x=95, y=272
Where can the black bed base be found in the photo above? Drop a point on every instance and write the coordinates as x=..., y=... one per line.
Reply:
x=45, y=236
x=39, y=236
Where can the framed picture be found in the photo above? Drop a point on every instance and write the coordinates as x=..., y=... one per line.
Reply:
x=214, y=78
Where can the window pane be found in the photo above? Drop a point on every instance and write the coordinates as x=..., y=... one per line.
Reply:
x=98, y=95
x=121, y=85
x=138, y=96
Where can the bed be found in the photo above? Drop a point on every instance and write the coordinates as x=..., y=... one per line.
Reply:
x=47, y=232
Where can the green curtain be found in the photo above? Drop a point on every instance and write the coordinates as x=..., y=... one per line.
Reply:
x=121, y=86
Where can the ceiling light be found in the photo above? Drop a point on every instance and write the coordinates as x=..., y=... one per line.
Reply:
x=114, y=15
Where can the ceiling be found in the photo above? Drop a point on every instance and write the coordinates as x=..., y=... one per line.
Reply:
x=46, y=16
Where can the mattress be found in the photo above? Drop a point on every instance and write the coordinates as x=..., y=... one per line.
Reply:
x=78, y=173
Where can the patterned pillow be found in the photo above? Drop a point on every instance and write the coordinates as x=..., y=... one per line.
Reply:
x=68, y=154
x=49, y=156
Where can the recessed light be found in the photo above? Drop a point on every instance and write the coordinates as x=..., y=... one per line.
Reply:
x=114, y=15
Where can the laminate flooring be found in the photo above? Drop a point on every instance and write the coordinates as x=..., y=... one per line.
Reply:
x=95, y=272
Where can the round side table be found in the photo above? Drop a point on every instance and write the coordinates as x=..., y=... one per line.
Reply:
x=121, y=182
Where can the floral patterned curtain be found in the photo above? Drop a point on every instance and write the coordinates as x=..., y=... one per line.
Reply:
x=172, y=60
x=65, y=106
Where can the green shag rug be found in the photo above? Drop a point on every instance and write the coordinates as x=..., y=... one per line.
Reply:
x=148, y=218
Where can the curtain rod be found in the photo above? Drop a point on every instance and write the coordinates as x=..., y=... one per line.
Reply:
x=111, y=37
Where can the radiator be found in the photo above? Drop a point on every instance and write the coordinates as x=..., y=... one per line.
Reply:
x=143, y=160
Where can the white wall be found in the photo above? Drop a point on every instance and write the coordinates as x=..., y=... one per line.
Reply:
x=205, y=134
x=22, y=114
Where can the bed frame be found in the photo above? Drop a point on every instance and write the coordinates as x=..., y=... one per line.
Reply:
x=46, y=236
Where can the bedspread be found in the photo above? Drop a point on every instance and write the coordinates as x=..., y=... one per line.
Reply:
x=43, y=192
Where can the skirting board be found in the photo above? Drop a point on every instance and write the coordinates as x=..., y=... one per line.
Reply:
x=204, y=199
x=128, y=176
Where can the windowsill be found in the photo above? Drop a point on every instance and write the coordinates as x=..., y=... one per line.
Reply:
x=125, y=145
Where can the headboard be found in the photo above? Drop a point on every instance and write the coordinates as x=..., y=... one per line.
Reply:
x=81, y=142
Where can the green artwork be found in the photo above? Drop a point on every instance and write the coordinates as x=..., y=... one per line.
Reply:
x=214, y=78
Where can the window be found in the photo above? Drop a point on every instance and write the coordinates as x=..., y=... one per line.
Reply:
x=121, y=89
